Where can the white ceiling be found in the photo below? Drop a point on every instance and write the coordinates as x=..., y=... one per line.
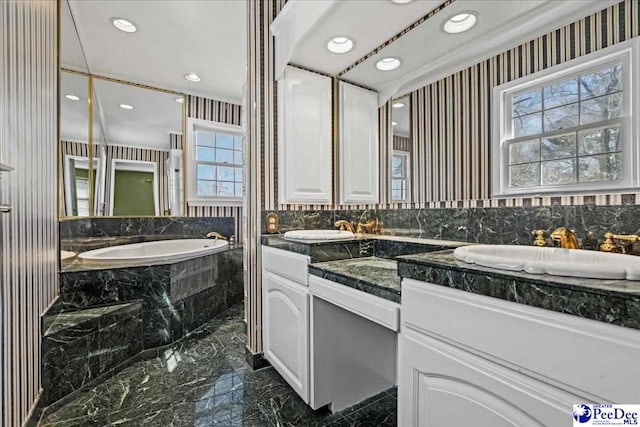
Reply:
x=368, y=22
x=428, y=53
x=155, y=114
x=207, y=37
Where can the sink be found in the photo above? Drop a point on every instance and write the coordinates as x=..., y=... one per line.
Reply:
x=318, y=235
x=555, y=261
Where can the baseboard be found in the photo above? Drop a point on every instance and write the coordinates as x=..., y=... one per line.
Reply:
x=256, y=360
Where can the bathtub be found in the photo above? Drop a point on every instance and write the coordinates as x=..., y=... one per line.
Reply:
x=163, y=251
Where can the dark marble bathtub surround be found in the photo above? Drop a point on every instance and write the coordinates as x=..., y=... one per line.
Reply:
x=176, y=298
x=502, y=225
x=611, y=301
x=79, y=346
x=375, y=276
x=81, y=234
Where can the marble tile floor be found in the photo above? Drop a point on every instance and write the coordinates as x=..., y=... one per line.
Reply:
x=203, y=381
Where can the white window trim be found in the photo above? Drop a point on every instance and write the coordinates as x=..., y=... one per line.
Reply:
x=136, y=166
x=192, y=198
x=628, y=53
x=407, y=170
x=80, y=163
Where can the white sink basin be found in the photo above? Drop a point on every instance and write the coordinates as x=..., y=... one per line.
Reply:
x=556, y=261
x=66, y=255
x=318, y=235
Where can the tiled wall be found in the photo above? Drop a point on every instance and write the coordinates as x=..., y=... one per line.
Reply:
x=505, y=225
x=28, y=235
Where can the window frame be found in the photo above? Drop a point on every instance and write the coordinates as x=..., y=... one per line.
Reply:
x=193, y=199
x=627, y=54
x=407, y=177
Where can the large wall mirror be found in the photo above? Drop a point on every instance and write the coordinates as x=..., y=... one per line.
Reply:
x=127, y=92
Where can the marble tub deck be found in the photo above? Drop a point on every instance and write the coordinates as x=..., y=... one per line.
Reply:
x=203, y=380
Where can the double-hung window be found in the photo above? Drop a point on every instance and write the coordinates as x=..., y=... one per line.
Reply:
x=569, y=128
x=216, y=166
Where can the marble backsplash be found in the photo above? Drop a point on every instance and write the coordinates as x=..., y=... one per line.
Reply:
x=81, y=234
x=503, y=225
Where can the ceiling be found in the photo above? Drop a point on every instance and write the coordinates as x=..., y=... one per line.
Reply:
x=155, y=114
x=376, y=22
x=426, y=51
x=173, y=38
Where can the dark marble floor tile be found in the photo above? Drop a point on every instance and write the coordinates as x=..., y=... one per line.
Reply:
x=203, y=381
x=383, y=412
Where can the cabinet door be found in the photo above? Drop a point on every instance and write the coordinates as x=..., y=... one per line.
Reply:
x=358, y=149
x=441, y=385
x=285, y=322
x=304, y=137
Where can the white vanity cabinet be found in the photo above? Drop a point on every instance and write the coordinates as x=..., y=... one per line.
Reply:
x=285, y=316
x=468, y=359
x=304, y=137
x=358, y=145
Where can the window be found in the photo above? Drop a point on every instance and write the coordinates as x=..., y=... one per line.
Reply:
x=566, y=129
x=216, y=169
x=400, y=176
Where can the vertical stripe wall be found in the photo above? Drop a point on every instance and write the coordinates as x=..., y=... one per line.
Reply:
x=451, y=117
x=29, y=239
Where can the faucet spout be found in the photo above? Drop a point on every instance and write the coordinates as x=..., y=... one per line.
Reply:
x=344, y=225
x=566, y=238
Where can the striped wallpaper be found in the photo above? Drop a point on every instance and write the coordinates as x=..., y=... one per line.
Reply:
x=29, y=234
x=402, y=143
x=451, y=134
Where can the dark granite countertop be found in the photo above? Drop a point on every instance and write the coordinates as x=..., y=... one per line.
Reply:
x=611, y=301
x=373, y=275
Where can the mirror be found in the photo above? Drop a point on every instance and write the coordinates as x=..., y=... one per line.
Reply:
x=401, y=157
x=121, y=136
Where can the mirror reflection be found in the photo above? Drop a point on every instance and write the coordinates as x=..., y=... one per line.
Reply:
x=401, y=158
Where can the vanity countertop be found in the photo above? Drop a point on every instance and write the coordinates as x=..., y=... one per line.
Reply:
x=612, y=301
x=373, y=275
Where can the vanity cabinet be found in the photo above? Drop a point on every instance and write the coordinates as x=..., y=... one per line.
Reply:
x=358, y=145
x=285, y=316
x=467, y=359
x=304, y=137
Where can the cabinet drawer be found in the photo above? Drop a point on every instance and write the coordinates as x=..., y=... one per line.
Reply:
x=291, y=265
x=376, y=309
x=589, y=358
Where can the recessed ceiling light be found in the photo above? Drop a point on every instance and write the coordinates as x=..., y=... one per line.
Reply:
x=192, y=77
x=340, y=45
x=460, y=23
x=388, y=64
x=401, y=1
x=126, y=106
x=124, y=25
x=180, y=100
x=398, y=104
x=72, y=97
x=394, y=123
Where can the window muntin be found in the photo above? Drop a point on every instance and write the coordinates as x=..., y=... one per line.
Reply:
x=399, y=176
x=551, y=143
x=569, y=128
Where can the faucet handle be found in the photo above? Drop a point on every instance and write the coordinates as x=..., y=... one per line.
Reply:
x=610, y=245
x=539, y=238
x=215, y=235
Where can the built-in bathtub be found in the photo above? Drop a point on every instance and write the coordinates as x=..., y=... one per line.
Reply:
x=147, y=253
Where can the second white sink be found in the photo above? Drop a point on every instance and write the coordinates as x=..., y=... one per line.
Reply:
x=318, y=235
x=556, y=261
